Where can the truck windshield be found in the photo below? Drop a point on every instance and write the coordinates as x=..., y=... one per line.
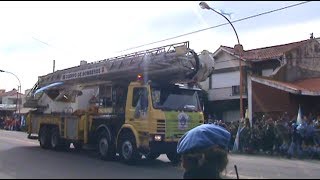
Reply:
x=175, y=99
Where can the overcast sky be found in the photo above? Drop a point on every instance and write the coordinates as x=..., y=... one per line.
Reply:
x=33, y=34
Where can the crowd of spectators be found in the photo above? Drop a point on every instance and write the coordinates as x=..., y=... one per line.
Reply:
x=280, y=136
x=10, y=123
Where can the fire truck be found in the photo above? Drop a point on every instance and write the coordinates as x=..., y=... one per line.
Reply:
x=134, y=105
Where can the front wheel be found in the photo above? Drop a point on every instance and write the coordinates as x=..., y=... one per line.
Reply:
x=175, y=158
x=128, y=149
x=55, y=138
x=44, y=138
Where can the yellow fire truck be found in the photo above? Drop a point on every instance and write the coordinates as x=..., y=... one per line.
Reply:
x=134, y=105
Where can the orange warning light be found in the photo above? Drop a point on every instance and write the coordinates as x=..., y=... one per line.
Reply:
x=139, y=77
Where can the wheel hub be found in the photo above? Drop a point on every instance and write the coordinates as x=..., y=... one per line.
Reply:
x=54, y=140
x=103, y=146
x=127, y=149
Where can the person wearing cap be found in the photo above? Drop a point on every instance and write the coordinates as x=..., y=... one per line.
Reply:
x=204, y=152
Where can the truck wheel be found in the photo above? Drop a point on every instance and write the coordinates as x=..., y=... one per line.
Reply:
x=128, y=149
x=105, y=148
x=55, y=138
x=44, y=138
x=152, y=156
x=77, y=146
x=174, y=157
x=64, y=146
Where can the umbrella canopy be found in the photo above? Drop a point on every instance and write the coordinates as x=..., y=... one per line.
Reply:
x=202, y=137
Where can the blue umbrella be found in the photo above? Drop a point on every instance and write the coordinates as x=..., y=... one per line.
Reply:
x=47, y=87
x=203, y=136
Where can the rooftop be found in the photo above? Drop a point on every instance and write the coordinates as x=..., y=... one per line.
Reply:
x=265, y=53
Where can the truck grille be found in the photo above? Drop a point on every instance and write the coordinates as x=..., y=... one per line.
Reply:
x=161, y=126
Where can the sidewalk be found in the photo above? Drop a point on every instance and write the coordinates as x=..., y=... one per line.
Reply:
x=275, y=156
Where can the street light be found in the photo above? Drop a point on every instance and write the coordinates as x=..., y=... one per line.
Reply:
x=19, y=92
x=238, y=49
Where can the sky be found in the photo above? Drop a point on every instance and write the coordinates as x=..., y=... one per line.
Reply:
x=33, y=34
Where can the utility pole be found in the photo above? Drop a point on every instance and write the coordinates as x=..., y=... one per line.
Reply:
x=54, y=65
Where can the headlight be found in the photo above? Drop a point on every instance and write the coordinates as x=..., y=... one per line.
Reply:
x=157, y=138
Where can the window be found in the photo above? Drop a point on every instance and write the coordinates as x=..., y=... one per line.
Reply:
x=235, y=90
x=105, y=96
x=139, y=94
x=13, y=100
x=140, y=102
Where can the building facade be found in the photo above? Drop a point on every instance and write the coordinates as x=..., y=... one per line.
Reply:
x=286, y=63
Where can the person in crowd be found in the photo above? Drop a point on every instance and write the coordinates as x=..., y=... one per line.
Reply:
x=233, y=131
x=309, y=138
x=296, y=142
x=269, y=136
x=245, y=137
x=1, y=122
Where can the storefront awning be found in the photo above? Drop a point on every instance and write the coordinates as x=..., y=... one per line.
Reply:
x=309, y=87
x=26, y=110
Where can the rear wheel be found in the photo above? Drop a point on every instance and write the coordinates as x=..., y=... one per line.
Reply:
x=106, y=148
x=152, y=156
x=128, y=149
x=44, y=138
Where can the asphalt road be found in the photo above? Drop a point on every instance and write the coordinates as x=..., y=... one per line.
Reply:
x=23, y=158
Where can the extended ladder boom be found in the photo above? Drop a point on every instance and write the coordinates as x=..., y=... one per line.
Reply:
x=174, y=63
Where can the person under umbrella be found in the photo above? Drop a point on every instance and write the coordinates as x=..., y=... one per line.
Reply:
x=204, y=152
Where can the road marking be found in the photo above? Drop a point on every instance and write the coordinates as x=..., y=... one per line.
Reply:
x=18, y=140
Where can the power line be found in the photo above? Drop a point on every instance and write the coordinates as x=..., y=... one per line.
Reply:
x=212, y=27
x=41, y=41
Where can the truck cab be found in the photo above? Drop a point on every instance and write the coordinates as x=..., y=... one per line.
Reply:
x=157, y=115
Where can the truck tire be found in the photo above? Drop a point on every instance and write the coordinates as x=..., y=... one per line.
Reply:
x=44, y=138
x=77, y=146
x=152, y=156
x=105, y=148
x=175, y=158
x=128, y=149
x=64, y=146
x=55, y=138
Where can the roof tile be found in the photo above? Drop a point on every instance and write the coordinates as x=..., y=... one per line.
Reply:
x=266, y=53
